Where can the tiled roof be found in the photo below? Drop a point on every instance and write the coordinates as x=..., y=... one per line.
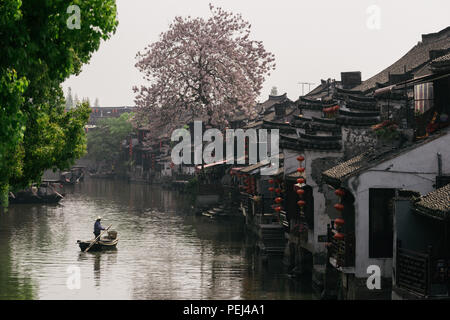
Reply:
x=415, y=58
x=294, y=175
x=266, y=105
x=239, y=116
x=323, y=90
x=282, y=127
x=357, y=121
x=277, y=172
x=361, y=105
x=436, y=202
x=373, y=156
x=314, y=104
x=347, y=167
x=316, y=124
x=309, y=143
x=270, y=114
x=316, y=90
x=442, y=62
x=254, y=124
x=444, y=58
x=255, y=166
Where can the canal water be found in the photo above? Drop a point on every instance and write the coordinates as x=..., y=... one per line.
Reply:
x=164, y=252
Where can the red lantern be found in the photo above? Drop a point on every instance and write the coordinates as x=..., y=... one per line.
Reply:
x=301, y=203
x=278, y=200
x=278, y=190
x=339, y=236
x=271, y=189
x=339, y=192
x=278, y=209
x=339, y=206
x=300, y=158
x=300, y=170
x=271, y=181
x=300, y=192
x=339, y=221
x=300, y=180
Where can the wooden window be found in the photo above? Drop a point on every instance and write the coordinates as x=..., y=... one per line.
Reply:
x=380, y=223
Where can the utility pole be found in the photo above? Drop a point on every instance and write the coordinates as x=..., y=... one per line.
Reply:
x=303, y=86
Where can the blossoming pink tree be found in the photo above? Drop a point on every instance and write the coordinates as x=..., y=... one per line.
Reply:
x=202, y=69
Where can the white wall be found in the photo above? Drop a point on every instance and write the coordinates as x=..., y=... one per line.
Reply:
x=413, y=170
x=321, y=219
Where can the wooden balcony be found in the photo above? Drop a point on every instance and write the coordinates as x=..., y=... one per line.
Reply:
x=413, y=271
x=421, y=274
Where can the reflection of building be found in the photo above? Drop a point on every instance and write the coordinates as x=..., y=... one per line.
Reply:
x=97, y=268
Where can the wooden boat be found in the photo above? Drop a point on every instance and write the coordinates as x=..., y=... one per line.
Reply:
x=44, y=193
x=105, y=243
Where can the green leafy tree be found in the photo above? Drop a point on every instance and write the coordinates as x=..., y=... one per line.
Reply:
x=87, y=100
x=39, y=52
x=104, y=141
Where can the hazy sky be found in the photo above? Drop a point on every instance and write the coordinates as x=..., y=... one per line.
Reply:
x=311, y=40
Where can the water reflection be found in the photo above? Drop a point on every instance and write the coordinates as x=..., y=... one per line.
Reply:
x=164, y=252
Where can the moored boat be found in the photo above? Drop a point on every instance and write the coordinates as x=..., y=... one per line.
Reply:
x=44, y=193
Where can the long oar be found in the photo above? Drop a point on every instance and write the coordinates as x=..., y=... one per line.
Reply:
x=96, y=239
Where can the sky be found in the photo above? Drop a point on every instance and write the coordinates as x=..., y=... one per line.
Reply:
x=311, y=40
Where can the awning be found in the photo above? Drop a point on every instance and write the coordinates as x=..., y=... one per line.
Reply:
x=384, y=90
x=210, y=165
x=255, y=166
x=275, y=171
x=260, y=164
x=411, y=82
x=294, y=175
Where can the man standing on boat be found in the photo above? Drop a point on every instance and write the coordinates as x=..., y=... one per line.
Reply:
x=98, y=227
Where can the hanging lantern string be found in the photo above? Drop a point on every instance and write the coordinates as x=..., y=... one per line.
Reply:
x=339, y=222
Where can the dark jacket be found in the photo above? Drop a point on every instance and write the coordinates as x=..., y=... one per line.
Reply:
x=98, y=227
